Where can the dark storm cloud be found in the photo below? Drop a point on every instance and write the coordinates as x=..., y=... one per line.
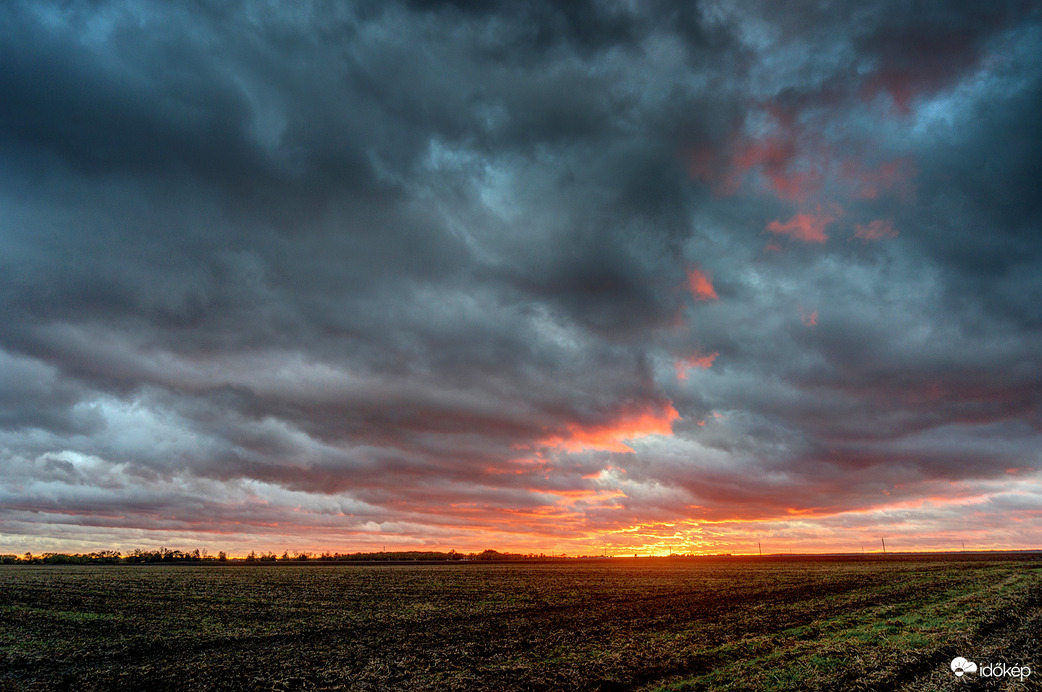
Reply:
x=435, y=258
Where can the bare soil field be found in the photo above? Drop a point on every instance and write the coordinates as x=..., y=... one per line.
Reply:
x=622, y=624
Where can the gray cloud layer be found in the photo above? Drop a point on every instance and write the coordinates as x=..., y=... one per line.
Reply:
x=411, y=264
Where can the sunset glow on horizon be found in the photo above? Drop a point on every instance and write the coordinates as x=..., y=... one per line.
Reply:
x=582, y=278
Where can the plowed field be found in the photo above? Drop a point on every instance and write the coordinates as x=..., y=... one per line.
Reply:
x=623, y=624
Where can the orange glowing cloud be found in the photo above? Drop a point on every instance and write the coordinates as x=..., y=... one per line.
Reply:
x=787, y=161
x=648, y=420
x=784, y=169
x=808, y=228
x=682, y=365
x=809, y=319
x=876, y=230
x=796, y=163
x=791, y=163
x=701, y=286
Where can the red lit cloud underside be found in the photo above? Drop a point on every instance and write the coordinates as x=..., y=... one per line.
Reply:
x=701, y=285
x=649, y=420
x=808, y=228
x=682, y=365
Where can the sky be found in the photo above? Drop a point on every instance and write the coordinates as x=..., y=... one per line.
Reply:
x=544, y=277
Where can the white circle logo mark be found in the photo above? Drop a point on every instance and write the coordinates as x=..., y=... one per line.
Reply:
x=960, y=665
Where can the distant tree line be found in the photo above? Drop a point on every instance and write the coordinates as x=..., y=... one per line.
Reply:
x=113, y=557
x=163, y=555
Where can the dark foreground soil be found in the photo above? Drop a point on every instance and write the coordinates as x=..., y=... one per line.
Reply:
x=652, y=624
